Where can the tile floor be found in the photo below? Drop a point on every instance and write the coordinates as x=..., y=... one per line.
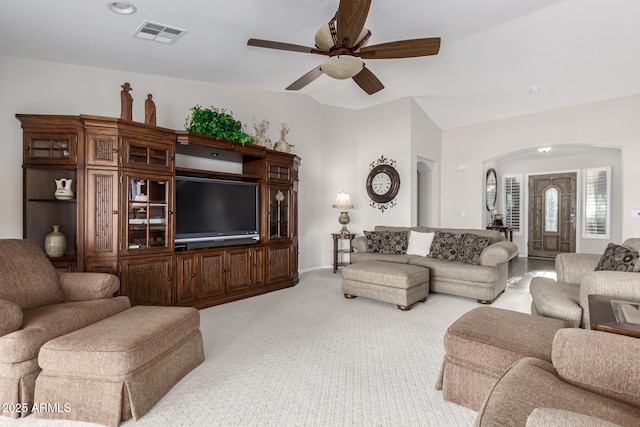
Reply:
x=521, y=271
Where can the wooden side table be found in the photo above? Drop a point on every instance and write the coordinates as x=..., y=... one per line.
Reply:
x=339, y=252
x=508, y=231
x=602, y=318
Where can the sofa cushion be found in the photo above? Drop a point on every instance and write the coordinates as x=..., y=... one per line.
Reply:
x=10, y=317
x=617, y=258
x=42, y=324
x=457, y=271
x=419, y=243
x=446, y=245
x=374, y=256
x=387, y=242
x=27, y=278
x=472, y=247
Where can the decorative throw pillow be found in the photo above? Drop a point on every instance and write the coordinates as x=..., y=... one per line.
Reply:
x=446, y=245
x=472, y=247
x=617, y=258
x=387, y=242
x=419, y=243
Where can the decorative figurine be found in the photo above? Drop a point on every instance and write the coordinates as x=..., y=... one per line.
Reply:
x=282, y=144
x=261, y=139
x=126, y=102
x=150, y=111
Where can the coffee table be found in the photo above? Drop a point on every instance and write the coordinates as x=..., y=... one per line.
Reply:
x=602, y=317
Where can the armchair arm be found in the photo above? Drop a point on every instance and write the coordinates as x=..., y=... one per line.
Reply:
x=571, y=267
x=10, y=317
x=359, y=244
x=88, y=286
x=580, y=358
x=498, y=253
x=615, y=284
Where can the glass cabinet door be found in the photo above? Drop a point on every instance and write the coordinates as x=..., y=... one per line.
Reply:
x=279, y=212
x=148, y=210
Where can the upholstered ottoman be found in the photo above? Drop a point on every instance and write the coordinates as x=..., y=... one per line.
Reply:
x=119, y=367
x=399, y=284
x=482, y=344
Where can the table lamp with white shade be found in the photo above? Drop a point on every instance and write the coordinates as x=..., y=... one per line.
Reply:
x=343, y=202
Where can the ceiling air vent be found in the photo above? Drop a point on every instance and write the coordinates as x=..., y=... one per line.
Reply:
x=158, y=32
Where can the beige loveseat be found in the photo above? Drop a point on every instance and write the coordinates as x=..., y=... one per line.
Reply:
x=38, y=304
x=592, y=381
x=483, y=281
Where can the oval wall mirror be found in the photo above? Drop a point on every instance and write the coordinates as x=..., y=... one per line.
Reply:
x=492, y=189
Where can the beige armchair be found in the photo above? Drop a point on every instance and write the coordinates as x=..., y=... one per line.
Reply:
x=567, y=297
x=592, y=381
x=38, y=304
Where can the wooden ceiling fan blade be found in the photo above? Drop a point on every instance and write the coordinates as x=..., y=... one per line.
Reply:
x=401, y=49
x=368, y=81
x=282, y=46
x=306, y=79
x=351, y=17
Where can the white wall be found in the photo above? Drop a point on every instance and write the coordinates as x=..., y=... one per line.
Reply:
x=612, y=123
x=425, y=149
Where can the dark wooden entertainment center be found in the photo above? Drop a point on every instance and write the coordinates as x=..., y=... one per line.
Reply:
x=121, y=219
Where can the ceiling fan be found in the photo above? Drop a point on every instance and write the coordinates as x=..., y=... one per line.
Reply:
x=344, y=40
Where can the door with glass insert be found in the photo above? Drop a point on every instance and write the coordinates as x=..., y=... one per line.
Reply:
x=552, y=214
x=148, y=214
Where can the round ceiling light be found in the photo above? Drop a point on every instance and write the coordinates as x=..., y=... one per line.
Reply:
x=122, y=7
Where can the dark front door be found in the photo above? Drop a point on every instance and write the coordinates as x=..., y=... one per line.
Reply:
x=552, y=214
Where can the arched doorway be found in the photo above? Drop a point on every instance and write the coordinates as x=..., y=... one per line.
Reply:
x=427, y=194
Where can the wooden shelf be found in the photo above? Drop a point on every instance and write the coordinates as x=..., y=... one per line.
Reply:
x=199, y=173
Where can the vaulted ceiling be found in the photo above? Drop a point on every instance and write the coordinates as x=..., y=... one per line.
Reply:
x=492, y=52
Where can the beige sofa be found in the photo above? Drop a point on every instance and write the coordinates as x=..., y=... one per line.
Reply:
x=38, y=304
x=592, y=381
x=483, y=282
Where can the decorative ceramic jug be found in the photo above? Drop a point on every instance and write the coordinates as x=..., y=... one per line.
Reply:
x=55, y=244
x=63, y=189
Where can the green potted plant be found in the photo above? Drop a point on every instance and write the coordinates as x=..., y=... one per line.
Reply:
x=217, y=122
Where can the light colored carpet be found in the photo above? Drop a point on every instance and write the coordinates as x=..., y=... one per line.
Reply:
x=306, y=356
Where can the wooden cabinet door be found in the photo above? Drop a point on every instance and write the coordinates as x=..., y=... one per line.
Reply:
x=102, y=213
x=278, y=263
x=257, y=267
x=237, y=269
x=186, y=278
x=50, y=148
x=210, y=274
x=147, y=213
x=102, y=149
x=147, y=280
x=139, y=153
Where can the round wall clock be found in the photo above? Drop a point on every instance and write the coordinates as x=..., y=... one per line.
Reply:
x=383, y=183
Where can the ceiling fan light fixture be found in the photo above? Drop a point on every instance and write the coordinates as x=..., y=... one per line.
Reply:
x=342, y=66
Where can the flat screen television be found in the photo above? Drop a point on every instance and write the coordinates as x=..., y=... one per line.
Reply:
x=215, y=212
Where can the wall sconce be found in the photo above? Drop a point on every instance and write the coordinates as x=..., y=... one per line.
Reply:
x=343, y=202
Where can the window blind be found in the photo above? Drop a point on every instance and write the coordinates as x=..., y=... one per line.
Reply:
x=512, y=202
x=596, y=209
